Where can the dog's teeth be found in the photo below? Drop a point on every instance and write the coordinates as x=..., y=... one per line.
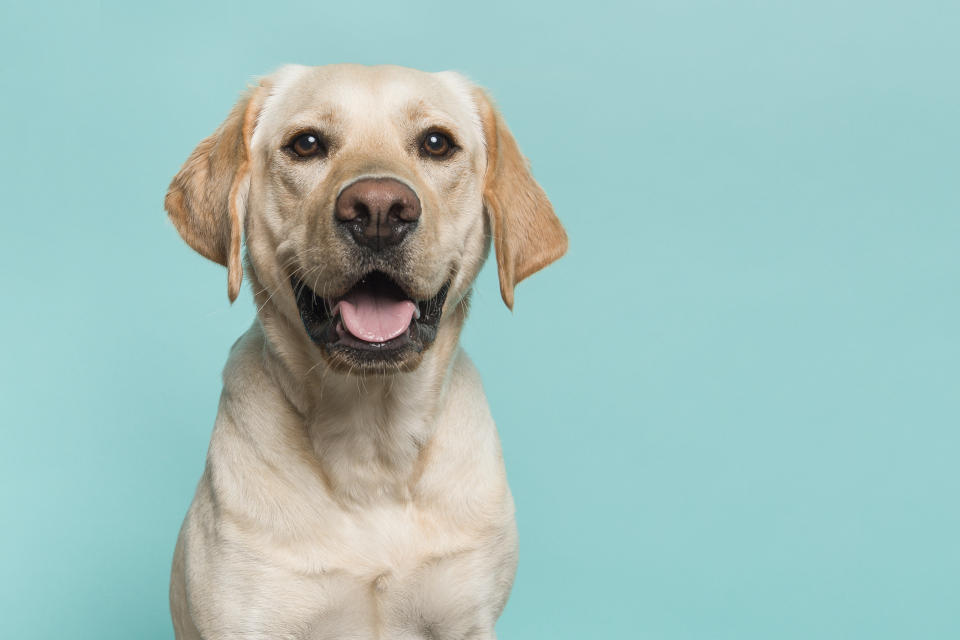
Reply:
x=416, y=312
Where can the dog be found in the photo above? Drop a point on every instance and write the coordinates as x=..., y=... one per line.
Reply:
x=354, y=484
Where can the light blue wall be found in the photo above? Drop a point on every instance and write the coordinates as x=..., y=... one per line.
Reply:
x=730, y=412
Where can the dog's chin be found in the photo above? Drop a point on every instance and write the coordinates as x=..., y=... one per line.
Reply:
x=351, y=336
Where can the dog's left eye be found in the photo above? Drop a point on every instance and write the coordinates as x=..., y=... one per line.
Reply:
x=437, y=144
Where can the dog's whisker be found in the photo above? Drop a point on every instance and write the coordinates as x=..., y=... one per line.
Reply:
x=281, y=285
x=307, y=374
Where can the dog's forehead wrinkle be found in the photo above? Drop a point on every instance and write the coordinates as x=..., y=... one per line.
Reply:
x=323, y=112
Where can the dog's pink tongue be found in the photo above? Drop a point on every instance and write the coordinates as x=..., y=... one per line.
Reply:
x=374, y=318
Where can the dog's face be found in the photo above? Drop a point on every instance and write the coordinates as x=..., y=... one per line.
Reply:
x=371, y=179
x=367, y=195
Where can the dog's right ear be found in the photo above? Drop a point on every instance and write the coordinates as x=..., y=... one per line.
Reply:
x=207, y=199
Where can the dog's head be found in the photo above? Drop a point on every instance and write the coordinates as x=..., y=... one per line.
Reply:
x=367, y=196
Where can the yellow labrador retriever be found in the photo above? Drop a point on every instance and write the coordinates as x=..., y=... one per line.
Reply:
x=354, y=486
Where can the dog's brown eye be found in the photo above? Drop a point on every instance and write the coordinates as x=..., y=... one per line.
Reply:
x=306, y=145
x=437, y=144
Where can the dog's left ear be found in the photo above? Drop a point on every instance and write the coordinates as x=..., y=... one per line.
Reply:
x=527, y=235
x=207, y=199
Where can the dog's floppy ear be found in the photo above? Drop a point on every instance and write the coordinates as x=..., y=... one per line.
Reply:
x=527, y=235
x=207, y=199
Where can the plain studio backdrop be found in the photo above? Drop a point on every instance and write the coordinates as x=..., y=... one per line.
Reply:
x=731, y=411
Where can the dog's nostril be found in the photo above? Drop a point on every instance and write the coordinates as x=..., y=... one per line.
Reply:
x=378, y=212
x=361, y=210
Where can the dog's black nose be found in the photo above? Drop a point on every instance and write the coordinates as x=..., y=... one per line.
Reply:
x=378, y=212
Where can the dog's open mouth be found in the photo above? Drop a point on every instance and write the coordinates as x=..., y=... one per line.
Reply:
x=375, y=323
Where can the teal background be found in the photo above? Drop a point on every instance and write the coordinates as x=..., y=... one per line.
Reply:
x=730, y=412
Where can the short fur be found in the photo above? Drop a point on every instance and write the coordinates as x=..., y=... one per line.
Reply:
x=336, y=504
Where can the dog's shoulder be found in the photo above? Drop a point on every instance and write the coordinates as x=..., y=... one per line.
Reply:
x=245, y=363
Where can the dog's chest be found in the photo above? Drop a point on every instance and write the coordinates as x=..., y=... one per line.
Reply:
x=348, y=529
x=388, y=572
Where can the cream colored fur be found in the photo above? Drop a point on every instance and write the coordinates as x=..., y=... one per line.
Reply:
x=336, y=505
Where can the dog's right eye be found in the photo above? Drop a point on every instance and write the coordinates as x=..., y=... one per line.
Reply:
x=307, y=145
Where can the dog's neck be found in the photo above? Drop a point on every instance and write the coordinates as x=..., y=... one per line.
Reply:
x=368, y=432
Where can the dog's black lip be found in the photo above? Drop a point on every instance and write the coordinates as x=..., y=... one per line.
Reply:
x=318, y=321
x=432, y=308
